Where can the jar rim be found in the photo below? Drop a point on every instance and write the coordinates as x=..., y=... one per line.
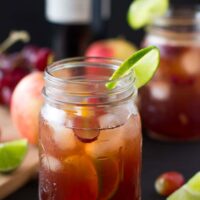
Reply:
x=79, y=60
x=181, y=15
x=54, y=84
x=180, y=24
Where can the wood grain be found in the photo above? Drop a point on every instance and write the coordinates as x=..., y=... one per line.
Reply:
x=13, y=181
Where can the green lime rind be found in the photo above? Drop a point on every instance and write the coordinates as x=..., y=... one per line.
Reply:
x=189, y=191
x=184, y=194
x=143, y=12
x=12, y=154
x=144, y=64
x=194, y=183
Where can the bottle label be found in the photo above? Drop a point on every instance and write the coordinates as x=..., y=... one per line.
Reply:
x=68, y=11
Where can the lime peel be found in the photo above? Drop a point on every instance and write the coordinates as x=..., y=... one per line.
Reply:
x=189, y=191
x=193, y=184
x=144, y=64
x=143, y=12
x=12, y=154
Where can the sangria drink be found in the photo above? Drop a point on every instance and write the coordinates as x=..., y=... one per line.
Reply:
x=170, y=103
x=90, y=137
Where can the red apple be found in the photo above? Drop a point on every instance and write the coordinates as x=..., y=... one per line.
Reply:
x=116, y=48
x=26, y=103
x=113, y=48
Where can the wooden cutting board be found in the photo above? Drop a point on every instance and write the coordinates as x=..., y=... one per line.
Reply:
x=28, y=169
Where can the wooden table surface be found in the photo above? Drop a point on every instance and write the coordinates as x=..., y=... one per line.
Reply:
x=11, y=182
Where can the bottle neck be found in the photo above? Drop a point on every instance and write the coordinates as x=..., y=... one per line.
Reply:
x=101, y=11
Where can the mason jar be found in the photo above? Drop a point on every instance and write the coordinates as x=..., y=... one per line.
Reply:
x=170, y=103
x=90, y=136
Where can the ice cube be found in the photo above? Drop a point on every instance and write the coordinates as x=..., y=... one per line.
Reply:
x=53, y=115
x=123, y=112
x=63, y=137
x=190, y=61
x=109, y=143
x=117, y=115
x=51, y=163
x=159, y=90
x=109, y=121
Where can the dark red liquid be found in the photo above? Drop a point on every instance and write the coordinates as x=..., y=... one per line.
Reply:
x=106, y=168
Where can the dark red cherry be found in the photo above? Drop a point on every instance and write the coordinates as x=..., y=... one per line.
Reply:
x=38, y=58
x=44, y=57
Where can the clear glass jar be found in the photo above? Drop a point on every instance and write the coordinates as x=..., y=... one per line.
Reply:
x=170, y=103
x=90, y=137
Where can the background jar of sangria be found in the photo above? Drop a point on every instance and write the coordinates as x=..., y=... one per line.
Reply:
x=90, y=137
x=170, y=103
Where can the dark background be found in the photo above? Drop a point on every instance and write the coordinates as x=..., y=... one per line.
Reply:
x=29, y=15
x=157, y=157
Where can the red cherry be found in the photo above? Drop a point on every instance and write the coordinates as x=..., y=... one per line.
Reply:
x=13, y=67
x=12, y=70
x=44, y=58
x=169, y=182
x=29, y=53
x=18, y=73
x=5, y=63
x=1, y=77
x=38, y=58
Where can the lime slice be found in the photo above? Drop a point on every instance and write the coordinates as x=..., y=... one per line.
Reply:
x=12, y=154
x=189, y=191
x=144, y=64
x=143, y=12
x=194, y=183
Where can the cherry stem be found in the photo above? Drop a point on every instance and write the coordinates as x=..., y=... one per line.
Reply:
x=14, y=37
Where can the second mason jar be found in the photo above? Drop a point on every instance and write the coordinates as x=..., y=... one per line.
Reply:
x=170, y=103
x=90, y=136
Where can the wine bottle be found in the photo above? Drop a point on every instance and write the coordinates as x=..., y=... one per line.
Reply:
x=71, y=23
x=101, y=11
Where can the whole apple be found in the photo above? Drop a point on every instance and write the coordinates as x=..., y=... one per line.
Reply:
x=26, y=103
x=115, y=48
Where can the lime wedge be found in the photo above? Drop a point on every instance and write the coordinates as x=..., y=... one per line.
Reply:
x=189, y=191
x=144, y=64
x=194, y=183
x=12, y=154
x=143, y=12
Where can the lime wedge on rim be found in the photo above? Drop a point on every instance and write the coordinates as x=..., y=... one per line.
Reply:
x=189, y=191
x=143, y=12
x=144, y=64
x=12, y=154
